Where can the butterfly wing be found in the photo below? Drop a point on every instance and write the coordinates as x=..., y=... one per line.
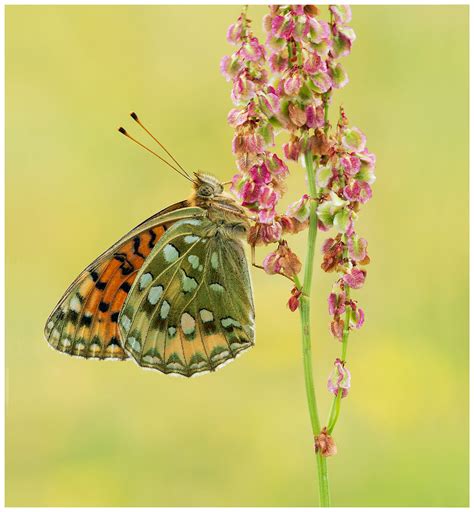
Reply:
x=190, y=310
x=84, y=322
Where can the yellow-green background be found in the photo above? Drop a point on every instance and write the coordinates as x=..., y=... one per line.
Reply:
x=108, y=434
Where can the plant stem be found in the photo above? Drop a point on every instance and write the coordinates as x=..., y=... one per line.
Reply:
x=306, y=329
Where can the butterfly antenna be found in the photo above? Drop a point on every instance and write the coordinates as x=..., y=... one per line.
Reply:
x=134, y=116
x=123, y=131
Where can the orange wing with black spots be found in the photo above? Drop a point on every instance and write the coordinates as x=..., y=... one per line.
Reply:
x=84, y=322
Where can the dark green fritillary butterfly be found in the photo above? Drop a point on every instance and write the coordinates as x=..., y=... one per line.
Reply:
x=174, y=293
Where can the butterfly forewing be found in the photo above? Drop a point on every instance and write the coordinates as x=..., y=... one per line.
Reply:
x=85, y=321
x=190, y=309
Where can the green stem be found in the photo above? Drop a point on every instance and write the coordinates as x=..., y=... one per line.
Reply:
x=306, y=330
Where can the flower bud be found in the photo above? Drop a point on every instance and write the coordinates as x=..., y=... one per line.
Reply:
x=294, y=301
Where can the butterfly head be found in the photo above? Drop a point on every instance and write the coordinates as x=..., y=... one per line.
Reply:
x=209, y=194
x=207, y=187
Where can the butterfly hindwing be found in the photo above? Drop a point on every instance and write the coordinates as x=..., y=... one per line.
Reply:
x=190, y=309
x=85, y=321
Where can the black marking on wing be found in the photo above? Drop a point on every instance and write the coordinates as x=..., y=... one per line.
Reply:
x=151, y=243
x=86, y=321
x=136, y=247
x=126, y=267
x=104, y=306
x=114, y=341
x=125, y=287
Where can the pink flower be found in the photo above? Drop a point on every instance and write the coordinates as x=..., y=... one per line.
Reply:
x=269, y=103
x=299, y=209
x=302, y=26
x=292, y=149
x=260, y=174
x=287, y=29
x=350, y=226
x=277, y=167
x=319, y=30
x=247, y=143
x=234, y=32
x=333, y=250
x=283, y=260
x=293, y=84
x=341, y=13
x=353, y=140
x=322, y=82
x=267, y=215
x=294, y=301
x=278, y=62
x=237, y=117
x=357, y=248
x=337, y=328
x=340, y=379
x=267, y=197
x=350, y=164
x=360, y=191
x=358, y=318
x=249, y=192
x=243, y=89
x=314, y=63
x=337, y=303
x=252, y=50
x=355, y=278
x=270, y=232
x=229, y=67
x=271, y=263
x=277, y=22
x=314, y=116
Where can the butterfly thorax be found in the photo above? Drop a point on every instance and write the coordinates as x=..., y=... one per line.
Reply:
x=227, y=215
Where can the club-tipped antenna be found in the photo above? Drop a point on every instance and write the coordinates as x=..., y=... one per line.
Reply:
x=134, y=116
x=123, y=131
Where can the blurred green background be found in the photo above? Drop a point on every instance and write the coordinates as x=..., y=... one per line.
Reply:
x=85, y=433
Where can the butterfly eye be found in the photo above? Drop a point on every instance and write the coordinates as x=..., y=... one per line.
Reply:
x=206, y=191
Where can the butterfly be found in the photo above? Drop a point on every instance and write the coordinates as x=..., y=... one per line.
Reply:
x=174, y=294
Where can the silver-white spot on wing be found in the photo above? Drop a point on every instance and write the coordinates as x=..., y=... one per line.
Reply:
x=188, y=324
x=134, y=343
x=229, y=321
x=165, y=309
x=170, y=253
x=75, y=304
x=194, y=260
x=206, y=316
x=145, y=280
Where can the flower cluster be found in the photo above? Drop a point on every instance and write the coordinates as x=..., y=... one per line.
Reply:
x=304, y=52
x=260, y=181
x=287, y=84
x=344, y=183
